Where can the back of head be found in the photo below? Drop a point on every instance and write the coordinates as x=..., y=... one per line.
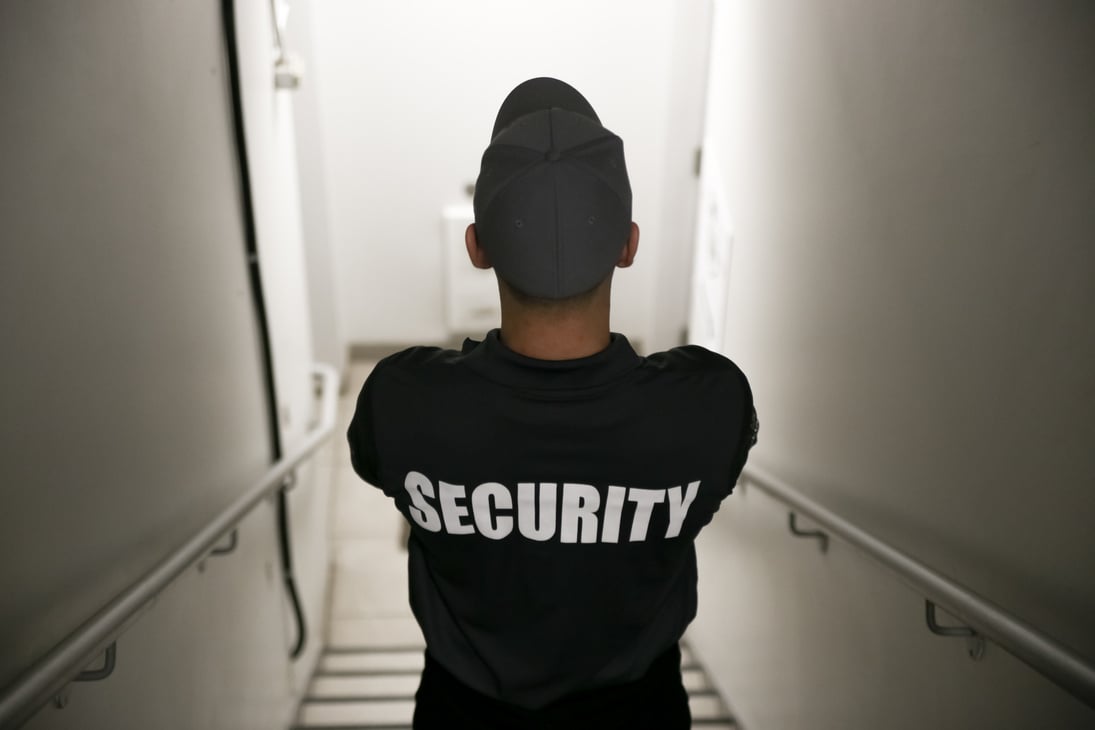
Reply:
x=553, y=200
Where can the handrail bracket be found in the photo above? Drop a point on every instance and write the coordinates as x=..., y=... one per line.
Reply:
x=230, y=547
x=975, y=643
x=97, y=675
x=60, y=700
x=821, y=537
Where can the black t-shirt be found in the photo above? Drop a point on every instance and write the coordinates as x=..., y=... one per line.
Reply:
x=553, y=504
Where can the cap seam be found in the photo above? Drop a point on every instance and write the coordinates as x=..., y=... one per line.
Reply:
x=499, y=187
x=558, y=217
x=602, y=178
x=589, y=143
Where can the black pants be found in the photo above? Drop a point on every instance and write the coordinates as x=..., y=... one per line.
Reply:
x=657, y=701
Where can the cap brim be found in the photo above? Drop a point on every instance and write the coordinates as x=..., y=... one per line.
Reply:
x=538, y=94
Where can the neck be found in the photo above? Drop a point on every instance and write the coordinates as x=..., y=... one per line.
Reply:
x=557, y=333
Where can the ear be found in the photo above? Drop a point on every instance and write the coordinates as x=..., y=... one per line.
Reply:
x=627, y=255
x=476, y=252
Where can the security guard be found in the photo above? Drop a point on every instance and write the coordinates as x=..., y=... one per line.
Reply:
x=554, y=480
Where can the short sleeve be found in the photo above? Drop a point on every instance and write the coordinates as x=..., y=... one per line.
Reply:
x=750, y=429
x=362, y=437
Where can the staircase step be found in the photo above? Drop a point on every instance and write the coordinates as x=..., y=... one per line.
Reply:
x=688, y=659
x=707, y=710
x=402, y=686
x=707, y=707
x=367, y=681
x=376, y=631
x=365, y=662
x=695, y=680
x=356, y=714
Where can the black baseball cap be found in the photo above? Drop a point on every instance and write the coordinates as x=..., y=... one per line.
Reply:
x=553, y=200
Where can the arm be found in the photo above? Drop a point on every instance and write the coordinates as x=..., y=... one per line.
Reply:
x=361, y=436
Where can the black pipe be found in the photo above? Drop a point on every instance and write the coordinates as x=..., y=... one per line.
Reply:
x=228, y=13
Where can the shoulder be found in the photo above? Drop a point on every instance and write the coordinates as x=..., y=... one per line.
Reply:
x=412, y=373
x=693, y=359
x=414, y=361
x=701, y=368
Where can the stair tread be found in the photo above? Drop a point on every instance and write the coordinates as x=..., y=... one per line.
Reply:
x=349, y=712
x=380, y=685
x=371, y=662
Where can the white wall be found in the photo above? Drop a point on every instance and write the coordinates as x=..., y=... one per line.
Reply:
x=668, y=318
x=133, y=387
x=272, y=157
x=409, y=91
x=912, y=189
x=328, y=341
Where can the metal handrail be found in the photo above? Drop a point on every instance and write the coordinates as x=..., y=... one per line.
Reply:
x=64, y=661
x=1053, y=660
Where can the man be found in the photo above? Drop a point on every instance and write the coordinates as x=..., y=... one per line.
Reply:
x=554, y=480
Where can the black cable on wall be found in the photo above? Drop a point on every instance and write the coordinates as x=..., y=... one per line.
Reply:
x=228, y=11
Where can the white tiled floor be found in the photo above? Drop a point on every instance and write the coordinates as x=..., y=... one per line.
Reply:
x=368, y=673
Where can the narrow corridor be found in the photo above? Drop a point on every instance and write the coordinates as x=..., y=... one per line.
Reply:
x=881, y=212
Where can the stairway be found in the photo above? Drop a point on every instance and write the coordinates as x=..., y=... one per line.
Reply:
x=372, y=687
